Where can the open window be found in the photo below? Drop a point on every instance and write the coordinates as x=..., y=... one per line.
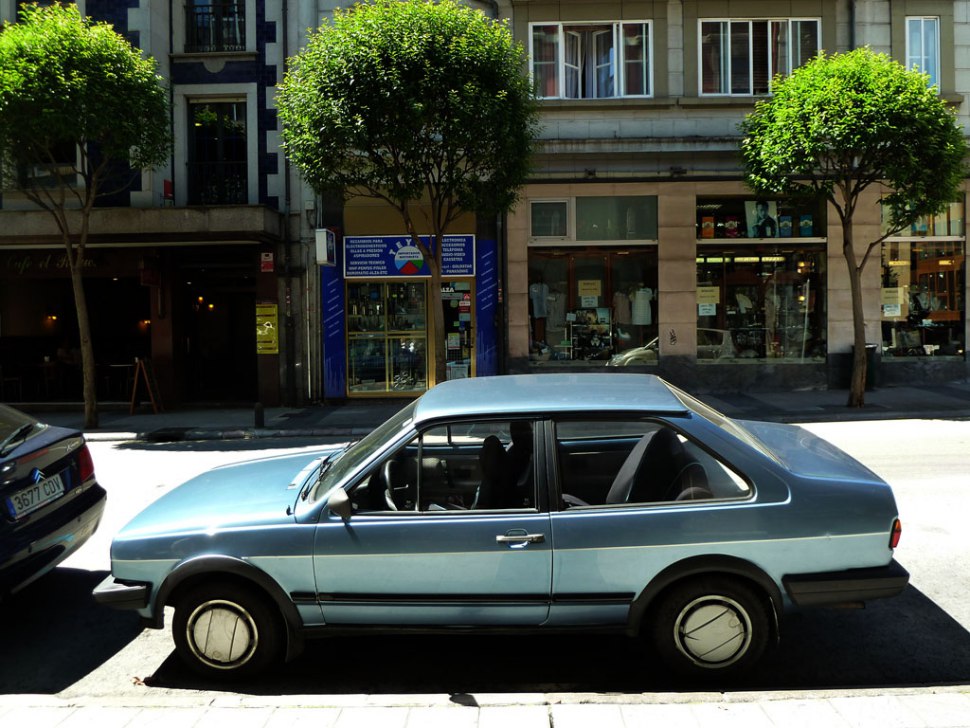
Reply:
x=466, y=466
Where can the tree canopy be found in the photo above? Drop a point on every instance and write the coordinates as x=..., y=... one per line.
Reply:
x=399, y=100
x=77, y=104
x=67, y=81
x=842, y=123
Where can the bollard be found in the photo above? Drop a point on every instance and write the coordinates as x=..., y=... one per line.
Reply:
x=260, y=419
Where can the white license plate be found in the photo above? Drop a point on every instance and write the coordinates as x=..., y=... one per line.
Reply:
x=34, y=496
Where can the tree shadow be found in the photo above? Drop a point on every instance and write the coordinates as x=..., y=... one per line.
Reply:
x=902, y=642
x=54, y=633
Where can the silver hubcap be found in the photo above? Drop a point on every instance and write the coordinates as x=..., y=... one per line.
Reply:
x=222, y=634
x=713, y=631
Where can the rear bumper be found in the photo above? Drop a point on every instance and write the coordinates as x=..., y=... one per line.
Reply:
x=51, y=540
x=852, y=586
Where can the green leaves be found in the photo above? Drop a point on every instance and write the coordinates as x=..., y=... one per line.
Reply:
x=851, y=120
x=65, y=79
x=408, y=100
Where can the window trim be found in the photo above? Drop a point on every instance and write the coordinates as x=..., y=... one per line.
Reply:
x=619, y=63
x=726, y=53
x=921, y=19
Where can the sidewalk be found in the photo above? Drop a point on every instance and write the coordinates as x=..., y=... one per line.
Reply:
x=890, y=708
x=355, y=419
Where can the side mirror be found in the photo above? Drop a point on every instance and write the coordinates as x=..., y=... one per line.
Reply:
x=339, y=503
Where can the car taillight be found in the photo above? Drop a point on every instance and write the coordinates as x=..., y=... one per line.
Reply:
x=85, y=464
x=896, y=533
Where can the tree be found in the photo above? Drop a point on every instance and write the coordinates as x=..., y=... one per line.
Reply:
x=424, y=105
x=77, y=103
x=841, y=124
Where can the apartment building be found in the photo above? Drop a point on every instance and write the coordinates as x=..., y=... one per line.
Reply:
x=635, y=241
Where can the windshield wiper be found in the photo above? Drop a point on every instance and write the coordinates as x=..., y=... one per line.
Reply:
x=17, y=436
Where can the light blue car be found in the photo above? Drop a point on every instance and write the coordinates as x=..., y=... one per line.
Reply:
x=518, y=504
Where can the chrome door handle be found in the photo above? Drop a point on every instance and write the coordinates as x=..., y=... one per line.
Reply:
x=522, y=538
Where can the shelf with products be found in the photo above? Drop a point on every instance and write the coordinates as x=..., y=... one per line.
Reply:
x=590, y=334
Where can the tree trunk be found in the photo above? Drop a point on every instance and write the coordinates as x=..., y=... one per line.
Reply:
x=87, y=348
x=436, y=330
x=857, y=386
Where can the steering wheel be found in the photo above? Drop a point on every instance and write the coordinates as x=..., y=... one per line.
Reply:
x=387, y=476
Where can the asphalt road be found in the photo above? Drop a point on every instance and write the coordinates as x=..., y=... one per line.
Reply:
x=57, y=641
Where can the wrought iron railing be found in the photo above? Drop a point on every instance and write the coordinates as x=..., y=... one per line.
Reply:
x=217, y=183
x=218, y=26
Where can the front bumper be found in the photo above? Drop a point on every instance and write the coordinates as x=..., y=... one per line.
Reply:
x=837, y=588
x=122, y=595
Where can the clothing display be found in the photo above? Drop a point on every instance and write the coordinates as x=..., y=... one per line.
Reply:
x=539, y=296
x=621, y=308
x=642, y=314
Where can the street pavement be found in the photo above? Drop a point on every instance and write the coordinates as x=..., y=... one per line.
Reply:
x=356, y=418
x=943, y=706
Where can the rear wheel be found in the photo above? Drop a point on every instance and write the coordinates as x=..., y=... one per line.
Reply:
x=711, y=627
x=224, y=630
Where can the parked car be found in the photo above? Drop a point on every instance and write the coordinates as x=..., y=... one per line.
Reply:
x=711, y=344
x=51, y=501
x=519, y=503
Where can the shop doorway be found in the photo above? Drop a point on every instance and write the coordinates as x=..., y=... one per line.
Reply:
x=459, y=345
x=217, y=311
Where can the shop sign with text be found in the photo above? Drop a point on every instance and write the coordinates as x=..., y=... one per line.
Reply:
x=395, y=256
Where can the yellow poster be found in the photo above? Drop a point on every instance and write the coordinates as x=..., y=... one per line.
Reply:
x=593, y=287
x=708, y=294
x=267, y=329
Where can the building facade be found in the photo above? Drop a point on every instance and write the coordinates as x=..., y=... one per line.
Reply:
x=634, y=244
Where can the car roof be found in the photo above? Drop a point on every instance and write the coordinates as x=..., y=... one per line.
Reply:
x=525, y=394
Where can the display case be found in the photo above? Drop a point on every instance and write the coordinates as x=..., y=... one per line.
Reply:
x=590, y=334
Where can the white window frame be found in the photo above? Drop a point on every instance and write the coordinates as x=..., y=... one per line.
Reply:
x=917, y=57
x=190, y=93
x=726, y=55
x=617, y=62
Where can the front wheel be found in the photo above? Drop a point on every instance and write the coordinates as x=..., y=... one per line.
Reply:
x=224, y=630
x=711, y=627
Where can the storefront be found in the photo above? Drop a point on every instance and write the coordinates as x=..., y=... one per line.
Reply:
x=375, y=315
x=592, y=267
x=923, y=292
x=761, y=282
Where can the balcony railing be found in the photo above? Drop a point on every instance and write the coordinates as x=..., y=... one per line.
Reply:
x=217, y=183
x=217, y=27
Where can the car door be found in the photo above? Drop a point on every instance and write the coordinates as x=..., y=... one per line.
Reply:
x=411, y=554
x=667, y=501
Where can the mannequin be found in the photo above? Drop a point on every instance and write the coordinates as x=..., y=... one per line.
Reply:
x=539, y=297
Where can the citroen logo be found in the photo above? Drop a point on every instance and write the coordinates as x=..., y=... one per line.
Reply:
x=37, y=476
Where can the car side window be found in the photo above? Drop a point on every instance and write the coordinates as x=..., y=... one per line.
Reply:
x=619, y=463
x=464, y=466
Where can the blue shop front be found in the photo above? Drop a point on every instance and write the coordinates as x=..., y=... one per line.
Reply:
x=375, y=313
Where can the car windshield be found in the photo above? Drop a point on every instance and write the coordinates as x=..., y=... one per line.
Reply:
x=723, y=421
x=348, y=461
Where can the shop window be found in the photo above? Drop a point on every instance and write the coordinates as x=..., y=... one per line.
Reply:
x=597, y=219
x=549, y=218
x=758, y=302
x=592, y=60
x=757, y=218
x=923, y=305
x=616, y=218
x=387, y=337
x=948, y=223
x=741, y=57
x=923, y=47
x=212, y=26
x=586, y=305
x=217, y=164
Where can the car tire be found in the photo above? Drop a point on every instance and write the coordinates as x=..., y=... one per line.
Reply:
x=224, y=630
x=711, y=627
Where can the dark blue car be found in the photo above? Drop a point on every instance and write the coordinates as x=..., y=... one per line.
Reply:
x=50, y=502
